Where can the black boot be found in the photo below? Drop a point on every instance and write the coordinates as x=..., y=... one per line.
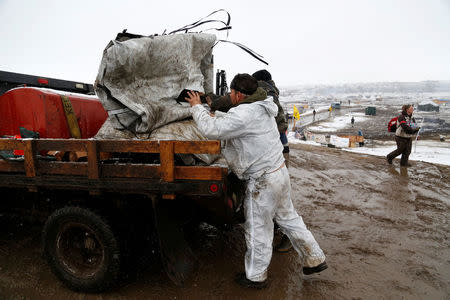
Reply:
x=404, y=163
x=242, y=280
x=316, y=269
x=285, y=245
x=389, y=160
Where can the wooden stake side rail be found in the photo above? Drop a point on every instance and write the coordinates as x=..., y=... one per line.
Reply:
x=95, y=170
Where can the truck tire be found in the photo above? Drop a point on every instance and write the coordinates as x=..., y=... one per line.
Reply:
x=81, y=249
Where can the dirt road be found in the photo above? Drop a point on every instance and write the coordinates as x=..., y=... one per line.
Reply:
x=384, y=230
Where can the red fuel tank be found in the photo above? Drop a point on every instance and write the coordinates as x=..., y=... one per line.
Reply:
x=41, y=110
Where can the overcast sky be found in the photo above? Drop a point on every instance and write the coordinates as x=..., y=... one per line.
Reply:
x=304, y=41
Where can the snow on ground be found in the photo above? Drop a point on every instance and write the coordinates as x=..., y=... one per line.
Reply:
x=432, y=151
x=423, y=150
x=337, y=123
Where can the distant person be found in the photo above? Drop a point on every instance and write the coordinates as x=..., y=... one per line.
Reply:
x=406, y=130
x=314, y=115
x=353, y=121
x=360, y=133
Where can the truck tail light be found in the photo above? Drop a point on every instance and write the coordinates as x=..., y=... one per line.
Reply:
x=213, y=188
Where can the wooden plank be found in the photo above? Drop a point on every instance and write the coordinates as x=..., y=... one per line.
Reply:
x=167, y=167
x=30, y=158
x=211, y=147
x=130, y=171
x=128, y=146
x=167, y=160
x=186, y=147
x=63, y=168
x=93, y=172
x=11, y=144
x=196, y=173
x=9, y=166
x=353, y=138
x=77, y=155
x=61, y=145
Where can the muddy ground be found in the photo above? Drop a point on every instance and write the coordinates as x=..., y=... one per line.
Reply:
x=384, y=230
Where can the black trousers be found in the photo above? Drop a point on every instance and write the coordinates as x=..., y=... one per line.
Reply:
x=404, y=146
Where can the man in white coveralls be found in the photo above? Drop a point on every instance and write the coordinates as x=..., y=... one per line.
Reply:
x=253, y=151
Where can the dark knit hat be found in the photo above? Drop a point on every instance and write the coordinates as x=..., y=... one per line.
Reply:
x=244, y=83
x=263, y=75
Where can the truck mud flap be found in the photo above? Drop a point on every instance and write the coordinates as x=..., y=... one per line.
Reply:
x=177, y=258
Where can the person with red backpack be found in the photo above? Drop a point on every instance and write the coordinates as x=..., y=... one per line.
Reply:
x=406, y=129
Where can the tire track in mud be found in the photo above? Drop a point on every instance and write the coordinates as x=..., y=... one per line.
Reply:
x=385, y=218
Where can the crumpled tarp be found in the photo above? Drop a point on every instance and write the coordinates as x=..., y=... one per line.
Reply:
x=139, y=79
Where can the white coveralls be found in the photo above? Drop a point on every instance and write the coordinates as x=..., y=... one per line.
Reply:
x=254, y=152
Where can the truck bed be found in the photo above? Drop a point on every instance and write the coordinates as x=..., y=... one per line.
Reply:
x=97, y=176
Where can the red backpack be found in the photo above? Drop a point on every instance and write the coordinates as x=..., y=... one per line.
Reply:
x=392, y=125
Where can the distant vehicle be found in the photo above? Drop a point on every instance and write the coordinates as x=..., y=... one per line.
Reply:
x=371, y=111
x=335, y=105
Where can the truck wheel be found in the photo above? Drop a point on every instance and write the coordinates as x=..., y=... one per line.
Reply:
x=81, y=249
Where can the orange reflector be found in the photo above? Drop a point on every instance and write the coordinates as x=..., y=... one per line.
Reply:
x=18, y=152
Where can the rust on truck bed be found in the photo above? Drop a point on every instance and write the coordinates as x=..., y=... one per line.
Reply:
x=96, y=175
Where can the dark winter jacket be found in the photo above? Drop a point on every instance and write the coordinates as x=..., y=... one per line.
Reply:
x=272, y=90
x=406, y=126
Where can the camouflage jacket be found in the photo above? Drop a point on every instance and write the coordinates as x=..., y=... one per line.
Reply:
x=220, y=103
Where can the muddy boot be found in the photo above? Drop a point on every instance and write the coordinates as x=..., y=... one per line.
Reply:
x=389, y=160
x=242, y=280
x=404, y=162
x=284, y=246
x=404, y=171
x=316, y=269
